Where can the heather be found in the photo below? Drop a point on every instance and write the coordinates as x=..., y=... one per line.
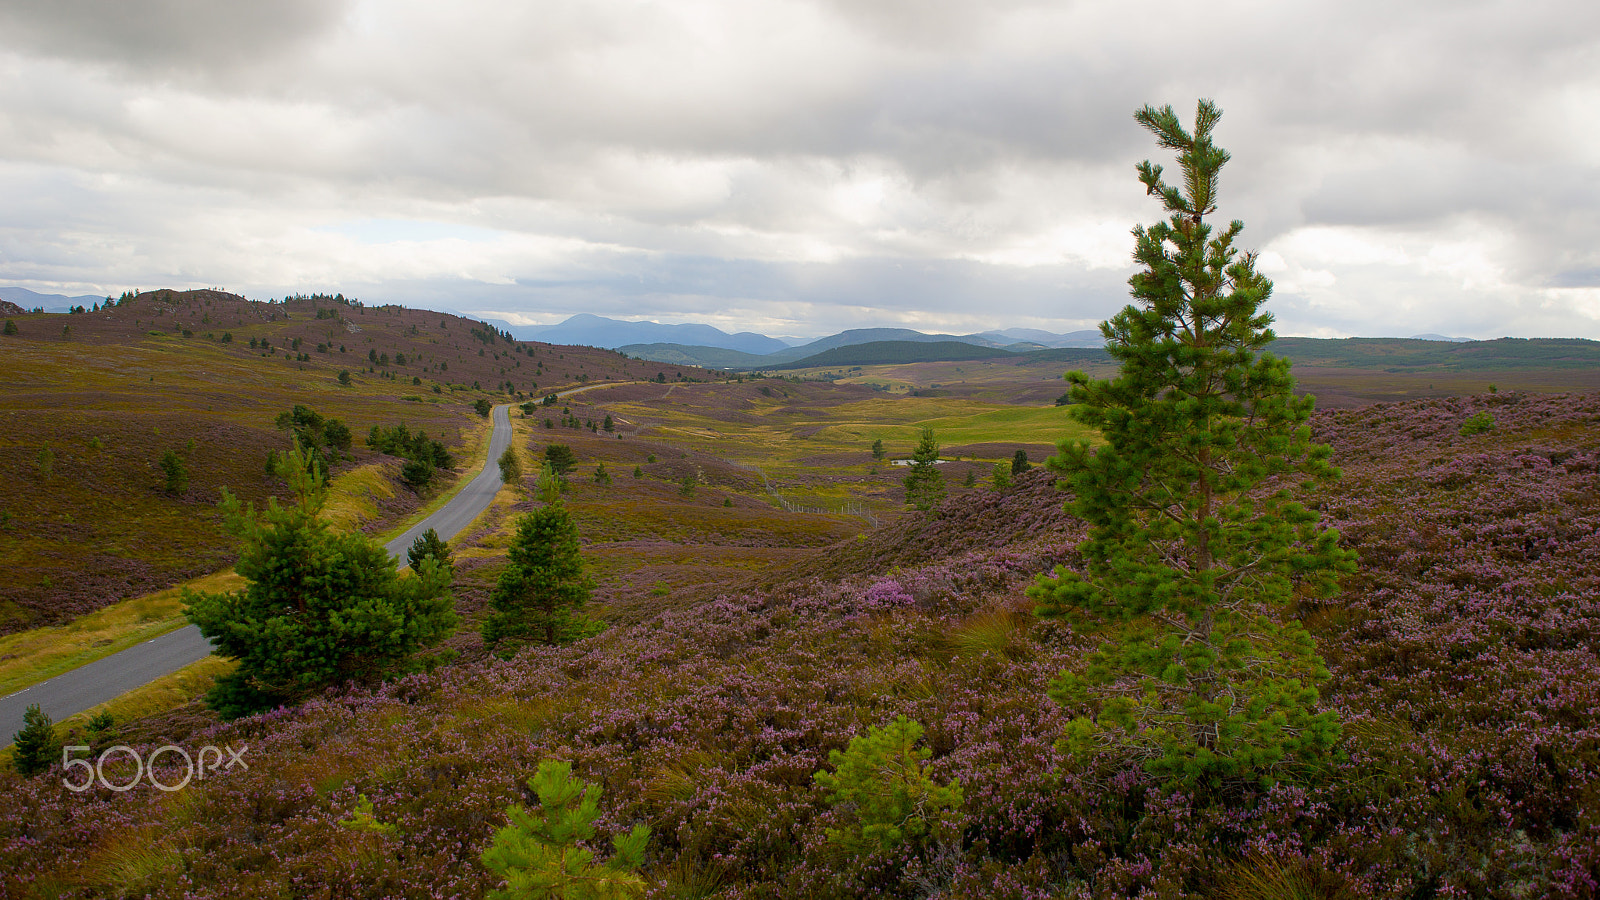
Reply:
x=1463, y=666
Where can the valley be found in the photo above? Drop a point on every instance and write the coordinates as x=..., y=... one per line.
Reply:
x=767, y=596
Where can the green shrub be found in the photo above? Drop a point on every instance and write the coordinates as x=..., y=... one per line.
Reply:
x=510, y=466
x=561, y=458
x=539, y=854
x=1482, y=423
x=177, y=475
x=882, y=777
x=1002, y=476
x=36, y=745
x=429, y=545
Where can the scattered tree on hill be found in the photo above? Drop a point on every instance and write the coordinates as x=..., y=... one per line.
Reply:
x=609, y=425
x=344, y=376
x=47, y=461
x=542, y=588
x=318, y=608
x=482, y=406
x=177, y=475
x=1019, y=462
x=878, y=451
x=971, y=479
x=539, y=853
x=561, y=457
x=36, y=746
x=429, y=545
x=601, y=476
x=1002, y=476
x=925, y=483
x=510, y=466
x=1193, y=546
x=11, y=327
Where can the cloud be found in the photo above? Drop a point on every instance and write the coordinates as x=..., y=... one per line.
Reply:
x=810, y=164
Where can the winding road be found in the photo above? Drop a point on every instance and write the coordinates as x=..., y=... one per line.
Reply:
x=95, y=683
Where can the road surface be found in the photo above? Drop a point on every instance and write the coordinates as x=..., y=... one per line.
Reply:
x=99, y=681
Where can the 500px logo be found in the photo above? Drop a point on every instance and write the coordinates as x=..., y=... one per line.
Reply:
x=145, y=767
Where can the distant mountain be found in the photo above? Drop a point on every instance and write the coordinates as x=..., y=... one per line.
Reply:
x=708, y=357
x=875, y=335
x=879, y=353
x=1439, y=337
x=588, y=330
x=1009, y=336
x=55, y=303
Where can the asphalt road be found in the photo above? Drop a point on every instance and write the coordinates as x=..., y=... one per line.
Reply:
x=99, y=681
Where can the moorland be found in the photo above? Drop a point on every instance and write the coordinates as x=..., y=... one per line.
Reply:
x=768, y=598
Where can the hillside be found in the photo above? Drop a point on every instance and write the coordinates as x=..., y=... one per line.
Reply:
x=878, y=353
x=94, y=400
x=1462, y=659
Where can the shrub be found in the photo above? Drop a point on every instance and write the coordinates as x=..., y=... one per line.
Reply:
x=1002, y=476
x=1019, y=462
x=883, y=779
x=36, y=745
x=539, y=852
x=925, y=483
x=482, y=406
x=1481, y=423
x=318, y=608
x=417, y=474
x=177, y=475
x=510, y=466
x=561, y=457
x=429, y=545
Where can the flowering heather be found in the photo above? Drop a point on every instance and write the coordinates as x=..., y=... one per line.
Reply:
x=1464, y=668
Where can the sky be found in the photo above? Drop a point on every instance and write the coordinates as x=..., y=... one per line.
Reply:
x=798, y=167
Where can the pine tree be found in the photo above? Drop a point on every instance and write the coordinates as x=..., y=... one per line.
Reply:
x=1019, y=462
x=177, y=475
x=510, y=466
x=543, y=586
x=36, y=745
x=562, y=457
x=538, y=852
x=878, y=452
x=925, y=483
x=318, y=608
x=1196, y=543
x=429, y=545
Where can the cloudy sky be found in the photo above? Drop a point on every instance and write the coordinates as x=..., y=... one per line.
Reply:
x=802, y=167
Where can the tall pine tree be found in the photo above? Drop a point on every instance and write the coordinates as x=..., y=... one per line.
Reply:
x=1196, y=543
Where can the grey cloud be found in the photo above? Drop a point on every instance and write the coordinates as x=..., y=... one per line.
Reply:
x=163, y=34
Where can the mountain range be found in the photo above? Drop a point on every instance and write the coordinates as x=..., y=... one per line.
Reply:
x=52, y=303
x=706, y=345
